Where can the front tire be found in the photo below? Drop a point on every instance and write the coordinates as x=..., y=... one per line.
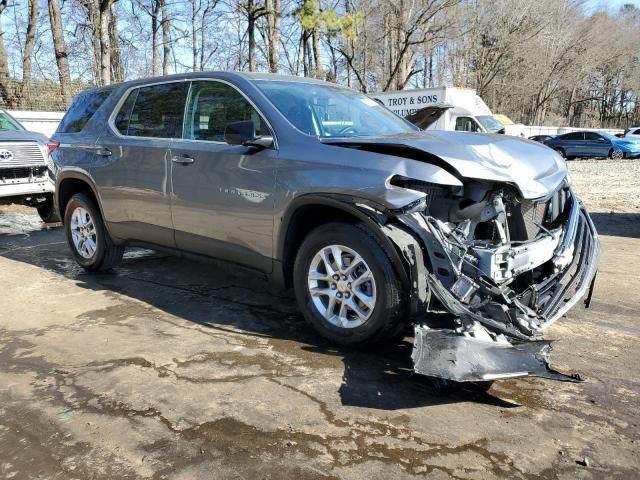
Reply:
x=346, y=286
x=616, y=154
x=90, y=244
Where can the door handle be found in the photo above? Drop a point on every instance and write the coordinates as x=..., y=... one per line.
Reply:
x=183, y=160
x=103, y=152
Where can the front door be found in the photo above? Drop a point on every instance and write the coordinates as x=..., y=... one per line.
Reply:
x=596, y=145
x=467, y=124
x=222, y=195
x=135, y=181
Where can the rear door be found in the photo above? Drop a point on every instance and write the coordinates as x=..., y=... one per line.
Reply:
x=573, y=144
x=135, y=181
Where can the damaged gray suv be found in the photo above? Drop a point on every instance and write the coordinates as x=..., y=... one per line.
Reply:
x=477, y=240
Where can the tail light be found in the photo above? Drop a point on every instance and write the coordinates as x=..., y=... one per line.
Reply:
x=52, y=145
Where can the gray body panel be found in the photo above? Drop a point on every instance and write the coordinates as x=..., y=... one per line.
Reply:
x=424, y=196
x=231, y=201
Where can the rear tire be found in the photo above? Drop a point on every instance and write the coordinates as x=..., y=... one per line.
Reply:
x=90, y=243
x=47, y=211
x=360, y=301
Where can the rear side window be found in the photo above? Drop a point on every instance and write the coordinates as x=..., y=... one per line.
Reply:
x=572, y=136
x=81, y=111
x=154, y=111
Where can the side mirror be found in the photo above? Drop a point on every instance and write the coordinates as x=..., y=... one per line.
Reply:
x=238, y=133
x=244, y=133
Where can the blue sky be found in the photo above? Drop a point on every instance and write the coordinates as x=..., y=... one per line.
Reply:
x=611, y=5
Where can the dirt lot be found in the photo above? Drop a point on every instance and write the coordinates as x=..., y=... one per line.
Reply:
x=171, y=369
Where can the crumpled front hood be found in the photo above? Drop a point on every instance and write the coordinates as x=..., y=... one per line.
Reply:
x=534, y=168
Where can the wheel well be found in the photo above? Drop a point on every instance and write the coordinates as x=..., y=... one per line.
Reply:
x=303, y=221
x=68, y=188
x=308, y=217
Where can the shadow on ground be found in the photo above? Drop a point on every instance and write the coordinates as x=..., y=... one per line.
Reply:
x=617, y=224
x=245, y=302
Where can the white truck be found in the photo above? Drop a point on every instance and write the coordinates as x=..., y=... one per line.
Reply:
x=25, y=176
x=442, y=108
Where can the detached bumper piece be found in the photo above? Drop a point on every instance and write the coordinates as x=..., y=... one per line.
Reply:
x=465, y=358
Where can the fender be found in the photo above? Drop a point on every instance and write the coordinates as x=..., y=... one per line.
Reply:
x=82, y=175
x=369, y=213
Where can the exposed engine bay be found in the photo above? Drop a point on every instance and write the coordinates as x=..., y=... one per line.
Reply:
x=503, y=267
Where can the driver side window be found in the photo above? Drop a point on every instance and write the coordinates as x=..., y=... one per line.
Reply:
x=214, y=105
x=466, y=124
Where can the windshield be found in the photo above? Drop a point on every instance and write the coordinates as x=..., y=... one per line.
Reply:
x=613, y=138
x=490, y=124
x=327, y=111
x=7, y=122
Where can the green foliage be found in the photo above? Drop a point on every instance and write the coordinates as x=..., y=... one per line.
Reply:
x=329, y=21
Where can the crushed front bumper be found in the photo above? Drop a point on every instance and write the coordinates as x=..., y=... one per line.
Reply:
x=25, y=188
x=502, y=337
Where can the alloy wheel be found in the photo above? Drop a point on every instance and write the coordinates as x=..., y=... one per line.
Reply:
x=342, y=286
x=83, y=233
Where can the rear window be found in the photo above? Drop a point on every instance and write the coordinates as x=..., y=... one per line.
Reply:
x=154, y=111
x=81, y=111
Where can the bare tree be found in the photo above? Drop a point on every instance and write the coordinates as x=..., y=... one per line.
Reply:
x=252, y=12
x=115, y=61
x=5, y=80
x=166, y=41
x=60, y=50
x=273, y=34
x=155, y=14
x=27, y=56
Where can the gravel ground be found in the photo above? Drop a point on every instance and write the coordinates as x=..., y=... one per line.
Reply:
x=170, y=369
x=607, y=185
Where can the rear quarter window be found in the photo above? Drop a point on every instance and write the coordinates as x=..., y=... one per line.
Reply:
x=81, y=111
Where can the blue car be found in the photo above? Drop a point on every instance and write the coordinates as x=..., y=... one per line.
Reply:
x=594, y=144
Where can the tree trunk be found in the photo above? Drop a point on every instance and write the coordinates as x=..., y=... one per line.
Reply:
x=94, y=18
x=273, y=29
x=105, y=48
x=306, y=53
x=117, y=69
x=194, y=34
x=316, y=53
x=251, y=27
x=155, y=13
x=166, y=47
x=5, y=81
x=60, y=51
x=28, y=50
